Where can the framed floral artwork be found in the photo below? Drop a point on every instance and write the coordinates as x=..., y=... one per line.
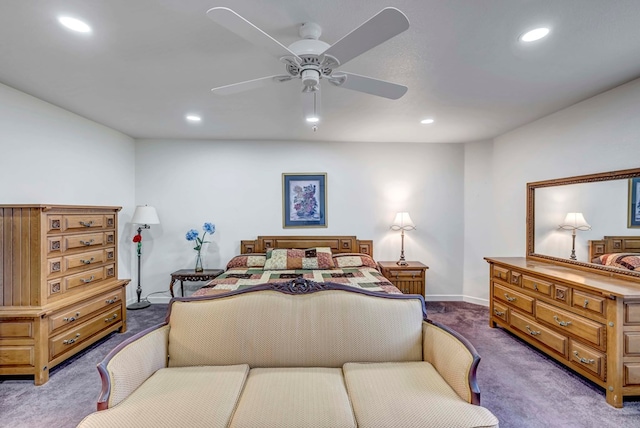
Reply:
x=633, y=210
x=304, y=200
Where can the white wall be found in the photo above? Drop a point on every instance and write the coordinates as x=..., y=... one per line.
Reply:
x=52, y=156
x=597, y=135
x=478, y=213
x=238, y=186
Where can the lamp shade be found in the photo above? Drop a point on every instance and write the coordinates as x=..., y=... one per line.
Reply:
x=575, y=221
x=145, y=214
x=403, y=222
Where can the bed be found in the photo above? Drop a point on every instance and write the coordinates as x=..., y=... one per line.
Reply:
x=271, y=259
x=616, y=251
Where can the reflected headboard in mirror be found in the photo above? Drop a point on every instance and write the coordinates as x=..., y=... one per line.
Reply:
x=603, y=198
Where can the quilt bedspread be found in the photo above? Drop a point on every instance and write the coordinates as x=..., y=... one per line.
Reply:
x=363, y=277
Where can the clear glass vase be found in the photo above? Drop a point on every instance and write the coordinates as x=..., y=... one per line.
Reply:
x=199, y=267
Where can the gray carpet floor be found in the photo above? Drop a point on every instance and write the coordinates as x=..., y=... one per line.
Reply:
x=520, y=385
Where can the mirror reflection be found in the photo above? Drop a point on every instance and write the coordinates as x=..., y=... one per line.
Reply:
x=603, y=205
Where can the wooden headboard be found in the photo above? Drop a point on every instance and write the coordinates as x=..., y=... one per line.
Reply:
x=338, y=244
x=614, y=244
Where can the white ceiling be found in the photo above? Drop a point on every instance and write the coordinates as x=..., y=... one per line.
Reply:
x=147, y=63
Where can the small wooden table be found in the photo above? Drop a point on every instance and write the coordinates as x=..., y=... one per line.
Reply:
x=191, y=275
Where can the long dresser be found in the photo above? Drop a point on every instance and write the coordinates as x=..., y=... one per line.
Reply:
x=59, y=286
x=586, y=321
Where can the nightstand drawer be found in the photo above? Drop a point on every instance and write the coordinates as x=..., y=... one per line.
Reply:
x=406, y=274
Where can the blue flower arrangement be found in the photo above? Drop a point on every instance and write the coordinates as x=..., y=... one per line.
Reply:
x=193, y=235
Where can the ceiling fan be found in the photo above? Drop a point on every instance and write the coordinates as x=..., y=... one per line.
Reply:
x=312, y=60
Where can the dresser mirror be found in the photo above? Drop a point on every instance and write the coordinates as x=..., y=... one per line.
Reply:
x=603, y=201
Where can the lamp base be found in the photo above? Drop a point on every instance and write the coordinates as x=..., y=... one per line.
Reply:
x=139, y=305
x=402, y=263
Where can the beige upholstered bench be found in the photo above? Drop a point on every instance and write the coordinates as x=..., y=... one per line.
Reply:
x=297, y=355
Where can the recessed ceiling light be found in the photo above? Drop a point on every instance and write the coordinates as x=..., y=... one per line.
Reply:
x=193, y=118
x=74, y=24
x=313, y=119
x=427, y=121
x=533, y=35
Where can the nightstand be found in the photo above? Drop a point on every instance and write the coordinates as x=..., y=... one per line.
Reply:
x=410, y=279
x=191, y=275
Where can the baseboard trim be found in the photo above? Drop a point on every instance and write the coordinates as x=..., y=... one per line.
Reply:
x=456, y=298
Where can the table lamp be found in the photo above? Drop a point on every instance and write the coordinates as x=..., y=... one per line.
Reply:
x=402, y=222
x=573, y=222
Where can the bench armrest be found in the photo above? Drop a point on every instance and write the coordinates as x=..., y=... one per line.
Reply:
x=454, y=357
x=132, y=362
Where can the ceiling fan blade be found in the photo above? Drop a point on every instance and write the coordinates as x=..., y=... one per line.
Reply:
x=311, y=105
x=235, y=88
x=368, y=85
x=388, y=23
x=245, y=29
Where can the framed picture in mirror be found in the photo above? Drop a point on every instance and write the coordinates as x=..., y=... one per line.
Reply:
x=634, y=202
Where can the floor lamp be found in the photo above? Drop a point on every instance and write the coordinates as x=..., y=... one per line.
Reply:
x=144, y=216
x=573, y=222
x=402, y=222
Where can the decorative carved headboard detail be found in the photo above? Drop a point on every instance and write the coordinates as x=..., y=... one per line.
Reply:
x=614, y=244
x=338, y=244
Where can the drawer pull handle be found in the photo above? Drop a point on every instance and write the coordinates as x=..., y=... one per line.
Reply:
x=535, y=286
x=498, y=313
x=87, y=243
x=586, y=303
x=532, y=332
x=582, y=359
x=561, y=323
x=510, y=299
x=71, y=341
x=86, y=281
x=111, y=318
x=87, y=224
x=87, y=262
x=72, y=319
x=110, y=301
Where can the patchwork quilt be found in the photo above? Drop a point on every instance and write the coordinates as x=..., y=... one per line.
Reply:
x=238, y=278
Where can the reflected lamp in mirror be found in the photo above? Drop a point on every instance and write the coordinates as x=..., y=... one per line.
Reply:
x=143, y=216
x=402, y=222
x=573, y=222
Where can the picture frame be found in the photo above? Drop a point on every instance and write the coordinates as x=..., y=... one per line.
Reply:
x=304, y=200
x=633, y=210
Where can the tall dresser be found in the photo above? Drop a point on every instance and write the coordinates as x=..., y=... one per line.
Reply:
x=59, y=286
x=588, y=322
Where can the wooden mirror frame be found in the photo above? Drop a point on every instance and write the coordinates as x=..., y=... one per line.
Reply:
x=590, y=178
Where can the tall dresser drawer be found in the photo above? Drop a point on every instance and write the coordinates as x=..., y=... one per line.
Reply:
x=71, y=338
x=83, y=260
x=573, y=324
x=83, y=241
x=81, y=312
x=542, y=334
x=82, y=221
x=588, y=359
x=84, y=278
x=513, y=298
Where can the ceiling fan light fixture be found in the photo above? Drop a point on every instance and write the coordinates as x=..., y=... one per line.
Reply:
x=313, y=119
x=533, y=35
x=427, y=121
x=74, y=24
x=193, y=118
